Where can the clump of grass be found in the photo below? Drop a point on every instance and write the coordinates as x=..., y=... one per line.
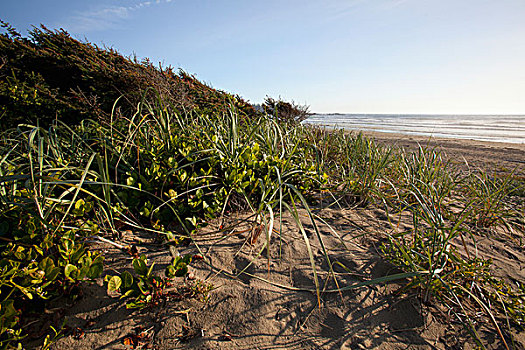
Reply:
x=490, y=198
x=364, y=167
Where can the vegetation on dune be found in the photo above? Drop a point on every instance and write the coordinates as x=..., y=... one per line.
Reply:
x=67, y=184
x=285, y=112
x=51, y=75
x=99, y=143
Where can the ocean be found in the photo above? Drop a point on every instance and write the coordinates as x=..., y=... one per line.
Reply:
x=494, y=128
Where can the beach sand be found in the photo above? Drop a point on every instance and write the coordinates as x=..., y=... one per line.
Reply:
x=491, y=156
x=270, y=307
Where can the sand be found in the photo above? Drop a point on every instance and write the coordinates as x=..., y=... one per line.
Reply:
x=273, y=306
x=491, y=156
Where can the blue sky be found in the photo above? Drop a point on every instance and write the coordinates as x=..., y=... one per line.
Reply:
x=354, y=56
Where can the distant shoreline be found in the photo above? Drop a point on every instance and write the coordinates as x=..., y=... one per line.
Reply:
x=415, y=134
x=489, y=128
x=429, y=114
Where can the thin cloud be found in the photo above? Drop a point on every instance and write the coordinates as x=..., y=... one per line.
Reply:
x=105, y=18
x=390, y=4
x=348, y=6
x=340, y=9
x=344, y=8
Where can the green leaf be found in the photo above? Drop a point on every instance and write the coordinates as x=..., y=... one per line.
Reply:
x=19, y=253
x=130, y=181
x=114, y=283
x=182, y=176
x=98, y=259
x=9, y=314
x=46, y=264
x=150, y=270
x=78, y=210
x=82, y=273
x=79, y=252
x=23, y=290
x=52, y=274
x=95, y=270
x=85, y=260
x=127, y=293
x=127, y=280
x=182, y=270
x=88, y=206
x=145, y=211
x=67, y=245
x=140, y=267
x=69, y=270
x=192, y=220
x=142, y=287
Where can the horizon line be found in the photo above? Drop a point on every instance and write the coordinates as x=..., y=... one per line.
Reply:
x=412, y=113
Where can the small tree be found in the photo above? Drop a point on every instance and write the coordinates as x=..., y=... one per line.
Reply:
x=286, y=112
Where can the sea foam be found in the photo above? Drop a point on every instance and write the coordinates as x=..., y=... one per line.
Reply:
x=494, y=128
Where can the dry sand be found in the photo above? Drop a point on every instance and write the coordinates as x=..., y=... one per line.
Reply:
x=248, y=312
